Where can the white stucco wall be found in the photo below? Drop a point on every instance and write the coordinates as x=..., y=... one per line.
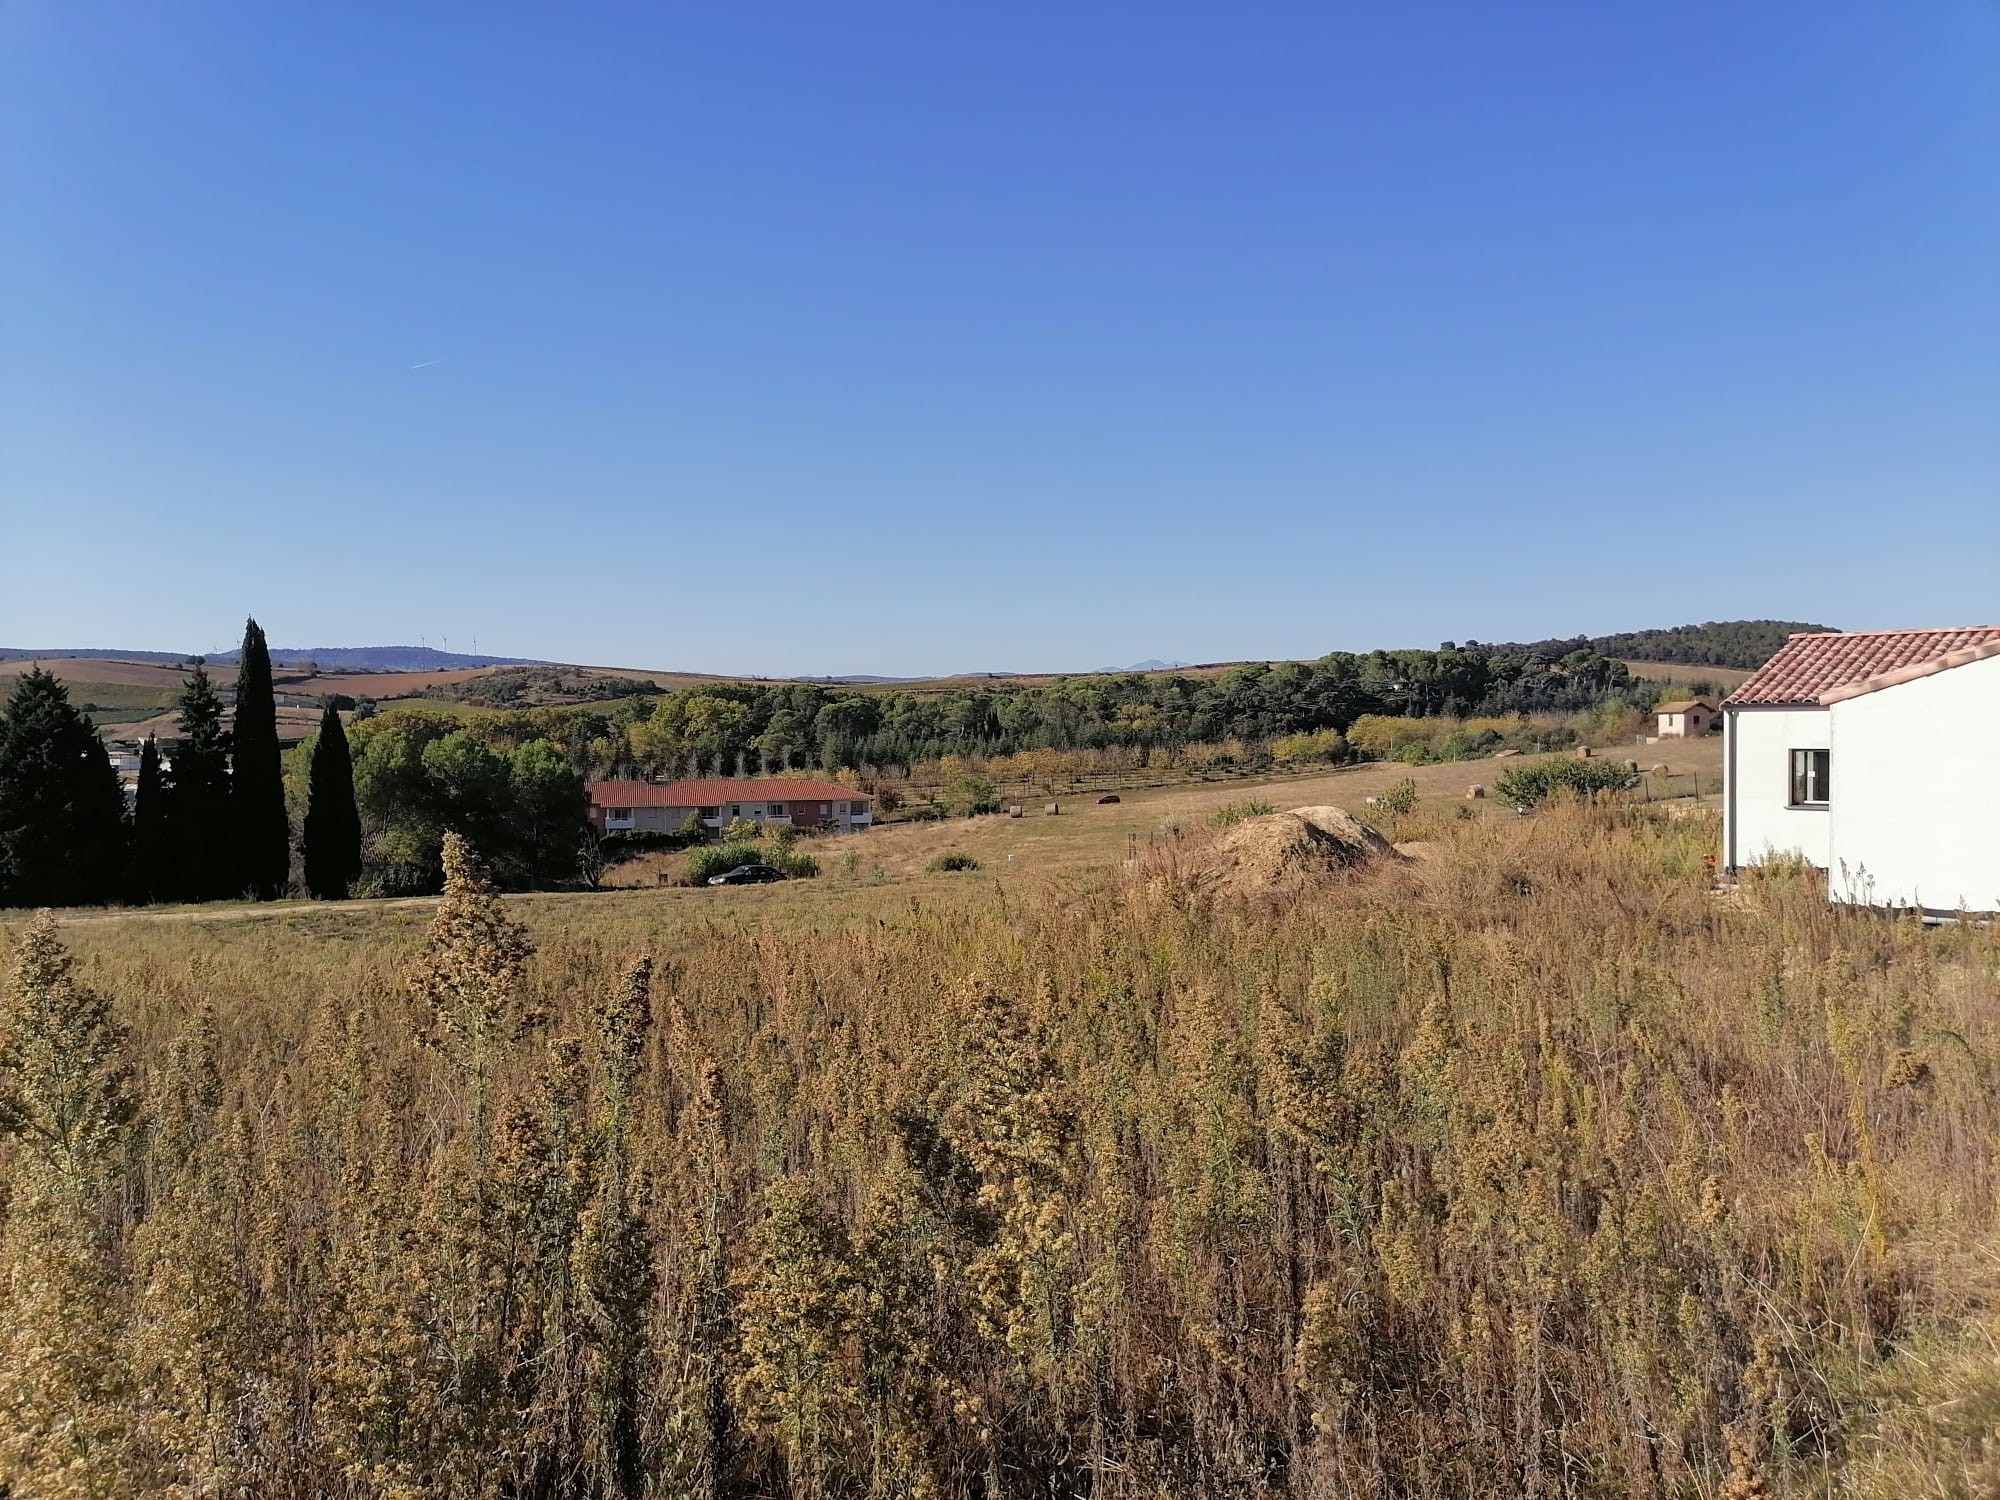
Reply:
x=1916, y=792
x=1758, y=760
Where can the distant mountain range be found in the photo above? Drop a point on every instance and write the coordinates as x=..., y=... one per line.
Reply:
x=327, y=658
x=1150, y=664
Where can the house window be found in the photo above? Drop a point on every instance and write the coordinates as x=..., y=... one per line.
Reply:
x=822, y=809
x=711, y=812
x=777, y=809
x=621, y=814
x=1812, y=777
x=735, y=809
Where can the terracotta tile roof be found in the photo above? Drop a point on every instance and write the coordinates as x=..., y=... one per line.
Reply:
x=714, y=792
x=1818, y=669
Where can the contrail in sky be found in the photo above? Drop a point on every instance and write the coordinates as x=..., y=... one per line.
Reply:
x=427, y=364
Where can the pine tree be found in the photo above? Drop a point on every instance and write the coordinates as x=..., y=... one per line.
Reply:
x=257, y=782
x=204, y=851
x=151, y=875
x=62, y=816
x=332, y=837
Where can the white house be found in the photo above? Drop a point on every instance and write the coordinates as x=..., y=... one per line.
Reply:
x=666, y=807
x=1874, y=755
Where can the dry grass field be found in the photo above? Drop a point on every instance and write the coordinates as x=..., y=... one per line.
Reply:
x=1728, y=678
x=1531, y=1166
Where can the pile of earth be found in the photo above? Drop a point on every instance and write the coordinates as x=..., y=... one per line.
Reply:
x=1285, y=849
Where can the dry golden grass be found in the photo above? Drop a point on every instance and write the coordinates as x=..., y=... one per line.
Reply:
x=1529, y=1168
x=1728, y=678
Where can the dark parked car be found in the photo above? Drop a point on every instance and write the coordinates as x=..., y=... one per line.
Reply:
x=747, y=875
x=1107, y=797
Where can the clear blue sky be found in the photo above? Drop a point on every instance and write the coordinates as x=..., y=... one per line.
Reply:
x=795, y=337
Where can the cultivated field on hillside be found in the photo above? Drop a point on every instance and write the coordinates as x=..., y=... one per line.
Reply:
x=1727, y=678
x=1531, y=1166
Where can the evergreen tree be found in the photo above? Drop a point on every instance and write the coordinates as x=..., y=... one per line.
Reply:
x=204, y=851
x=152, y=871
x=257, y=780
x=332, y=839
x=103, y=831
x=62, y=816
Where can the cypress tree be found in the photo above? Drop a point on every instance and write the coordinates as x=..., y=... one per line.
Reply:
x=257, y=779
x=62, y=816
x=204, y=848
x=152, y=871
x=332, y=838
x=103, y=831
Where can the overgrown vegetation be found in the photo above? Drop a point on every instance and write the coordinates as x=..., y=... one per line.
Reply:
x=1535, y=1169
x=1533, y=784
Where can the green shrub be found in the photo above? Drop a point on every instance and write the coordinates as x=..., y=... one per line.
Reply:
x=1304, y=749
x=714, y=859
x=798, y=866
x=1400, y=798
x=1530, y=786
x=947, y=862
x=969, y=795
x=1230, y=814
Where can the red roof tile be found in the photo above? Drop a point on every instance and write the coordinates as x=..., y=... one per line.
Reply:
x=1809, y=669
x=714, y=792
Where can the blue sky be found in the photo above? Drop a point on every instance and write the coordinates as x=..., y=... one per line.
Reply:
x=907, y=337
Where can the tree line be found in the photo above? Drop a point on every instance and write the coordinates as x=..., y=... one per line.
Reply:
x=1743, y=644
x=209, y=818
x=222, y=812
x=743, y=728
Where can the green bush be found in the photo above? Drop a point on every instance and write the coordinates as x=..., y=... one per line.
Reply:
x=714, y=859
x=798, y=866
x=947, y=862
x=1230, y=814
x=969, y=795
x=1530, y=786
x=1400, y=798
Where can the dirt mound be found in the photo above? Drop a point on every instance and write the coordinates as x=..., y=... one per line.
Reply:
x=1285, y=849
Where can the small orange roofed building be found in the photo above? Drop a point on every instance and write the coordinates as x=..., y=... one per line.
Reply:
x=666, y=807
x=1685, y=719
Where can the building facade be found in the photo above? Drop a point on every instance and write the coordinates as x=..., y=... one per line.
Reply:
x=1874, y=756
x=667, y=807
x=1684, y=720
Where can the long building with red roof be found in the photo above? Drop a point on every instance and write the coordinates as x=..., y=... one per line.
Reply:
x=781, y=802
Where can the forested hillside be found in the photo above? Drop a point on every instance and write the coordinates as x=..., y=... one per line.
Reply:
x=1719, y=643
